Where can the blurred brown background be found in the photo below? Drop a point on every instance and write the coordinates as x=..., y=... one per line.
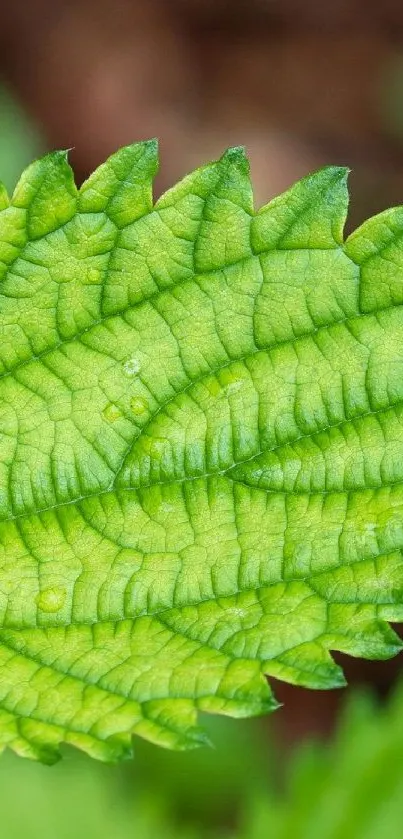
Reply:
x=300, y=84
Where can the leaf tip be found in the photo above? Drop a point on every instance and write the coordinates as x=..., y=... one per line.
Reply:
x=151, y=146
x=144, y=153
x=236, y=156
x=338, y=173
x=57, y=162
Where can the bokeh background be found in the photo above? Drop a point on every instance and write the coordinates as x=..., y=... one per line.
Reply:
x=300, y=83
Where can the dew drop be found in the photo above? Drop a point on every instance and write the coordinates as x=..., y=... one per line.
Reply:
x=234, y=386
x=94, y=275
x=111, y=413
x=132, y=366
x=231, y=381
x=165, y=507
x=138, y=406
x=256, y=474
x=51, y=599
x=237, y=612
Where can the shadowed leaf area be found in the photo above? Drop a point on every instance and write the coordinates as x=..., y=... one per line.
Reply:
x=201, y=448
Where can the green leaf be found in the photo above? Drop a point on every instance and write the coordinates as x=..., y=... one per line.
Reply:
x=201, y=448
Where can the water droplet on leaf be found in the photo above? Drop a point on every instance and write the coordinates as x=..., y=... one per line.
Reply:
x=233, y=386
x=138, y=405
x=111, y=413
x=51, y=599
x=94, y=275
x=132, y=366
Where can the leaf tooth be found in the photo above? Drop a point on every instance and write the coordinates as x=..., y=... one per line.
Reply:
x=308, y=665
x=122, y=186
x=236, y=157
x=47, y=191
x=311, y=214
x=375, y=235
x=377, y=248
x=362, y=635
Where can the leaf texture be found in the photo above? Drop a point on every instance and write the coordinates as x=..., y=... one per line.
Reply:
x=201, y=448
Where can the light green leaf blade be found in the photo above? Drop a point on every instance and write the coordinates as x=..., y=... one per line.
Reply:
x=201, y=447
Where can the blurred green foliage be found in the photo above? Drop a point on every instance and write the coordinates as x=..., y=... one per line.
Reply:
x=158, y=795
x=20, y=142
x=351, y=788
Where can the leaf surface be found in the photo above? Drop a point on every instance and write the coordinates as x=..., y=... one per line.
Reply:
x=201, y=448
